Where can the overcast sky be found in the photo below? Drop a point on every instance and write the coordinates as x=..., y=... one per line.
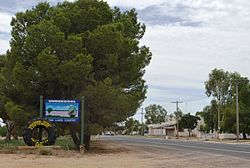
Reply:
x=188, y=38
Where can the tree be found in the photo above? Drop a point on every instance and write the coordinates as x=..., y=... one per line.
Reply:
x=210, y=115
x=75, y=49
x=132, y=125
x=221, y=85
x=155, y=114
x=188, y=121
x=229, y=124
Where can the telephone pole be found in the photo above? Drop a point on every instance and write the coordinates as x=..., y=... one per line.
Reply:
x=177, y=115
x=237, y=113
x=237, y=82
x=142, y=126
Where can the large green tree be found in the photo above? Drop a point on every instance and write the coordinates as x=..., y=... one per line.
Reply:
x=229, y=124
x=221, y=86
x=188, y=121
x=155, y=114
x=75, y=49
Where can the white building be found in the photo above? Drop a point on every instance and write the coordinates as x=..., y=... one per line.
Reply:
x=169, y=128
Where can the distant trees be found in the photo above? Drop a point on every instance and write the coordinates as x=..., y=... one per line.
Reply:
x=155, y=114
x=220, y=114
x=210, y=116
x=188, y=121
x=132, y=125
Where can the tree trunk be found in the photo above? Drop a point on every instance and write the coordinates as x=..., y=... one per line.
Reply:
x=87, y=141
x=76, y=139
x=189, y=132
x=74, y=136
x=244, y=135
x=9, y=126
x=14, y=133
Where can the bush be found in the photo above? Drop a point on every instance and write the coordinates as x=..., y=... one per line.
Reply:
x=3, y=131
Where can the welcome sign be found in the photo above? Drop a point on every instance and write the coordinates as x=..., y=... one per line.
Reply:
x=62, y=110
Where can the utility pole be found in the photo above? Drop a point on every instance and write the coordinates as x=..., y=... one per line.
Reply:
x=177, y=115
x=142, y=127
x=237, y=107
x=218, y=87
x=237, y=113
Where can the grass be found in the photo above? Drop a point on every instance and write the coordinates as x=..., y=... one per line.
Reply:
x=65, y=143
x=12, y=143
x=10, y=147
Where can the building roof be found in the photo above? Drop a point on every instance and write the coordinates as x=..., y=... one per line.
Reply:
x=168, y=124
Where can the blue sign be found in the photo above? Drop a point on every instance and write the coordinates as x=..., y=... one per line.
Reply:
x=62, y=110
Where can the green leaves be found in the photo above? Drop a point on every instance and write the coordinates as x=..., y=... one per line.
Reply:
x=188, y=121
x=155, y=114
x=75, y=49
x=221, y=85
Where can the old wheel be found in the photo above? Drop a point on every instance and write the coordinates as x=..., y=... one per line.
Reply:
x=39, y=132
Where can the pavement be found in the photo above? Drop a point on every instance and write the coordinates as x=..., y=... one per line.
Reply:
x=211, y=147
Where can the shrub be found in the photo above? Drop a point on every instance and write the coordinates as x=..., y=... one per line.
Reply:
x=3, y=131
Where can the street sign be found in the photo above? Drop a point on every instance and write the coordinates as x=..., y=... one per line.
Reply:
x=62, y=110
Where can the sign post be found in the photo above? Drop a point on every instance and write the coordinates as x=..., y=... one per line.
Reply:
x=41, y=106
x=82, y=124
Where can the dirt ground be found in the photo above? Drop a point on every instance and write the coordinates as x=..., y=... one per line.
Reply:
x=110, y=155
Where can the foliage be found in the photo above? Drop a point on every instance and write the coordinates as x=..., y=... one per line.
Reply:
x=229, y=124
x=65, y=143
x=210, y=115
x=222, y=86
x=132, y=125
x=3, y=131
x=188, y=121
x=155, y=114
x=75, y=49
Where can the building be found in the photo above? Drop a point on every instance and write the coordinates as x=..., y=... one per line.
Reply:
x=169, y=128
x=163, y=129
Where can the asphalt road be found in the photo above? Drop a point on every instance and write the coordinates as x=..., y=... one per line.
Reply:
x=236, y=150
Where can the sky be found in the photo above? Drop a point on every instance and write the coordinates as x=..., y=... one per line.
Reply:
x=188, y=38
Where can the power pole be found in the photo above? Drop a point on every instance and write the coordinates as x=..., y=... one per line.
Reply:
x=237, y=113
x=237, y=107
x=142, y=127
x=218, y=88
x=132, y=132
x=177, y=115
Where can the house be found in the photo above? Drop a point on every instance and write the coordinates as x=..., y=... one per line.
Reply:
x=169, y=128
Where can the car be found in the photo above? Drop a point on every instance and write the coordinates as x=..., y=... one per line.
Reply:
x=109, y=133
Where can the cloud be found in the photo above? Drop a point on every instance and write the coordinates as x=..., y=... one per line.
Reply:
x=134, y=3
x=4, y=46
x=5, y=22
x=188, y=38
x=184, y=55
x=13, y=6
x=192, y=100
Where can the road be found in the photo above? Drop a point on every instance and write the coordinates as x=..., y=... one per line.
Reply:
x=235, y=150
